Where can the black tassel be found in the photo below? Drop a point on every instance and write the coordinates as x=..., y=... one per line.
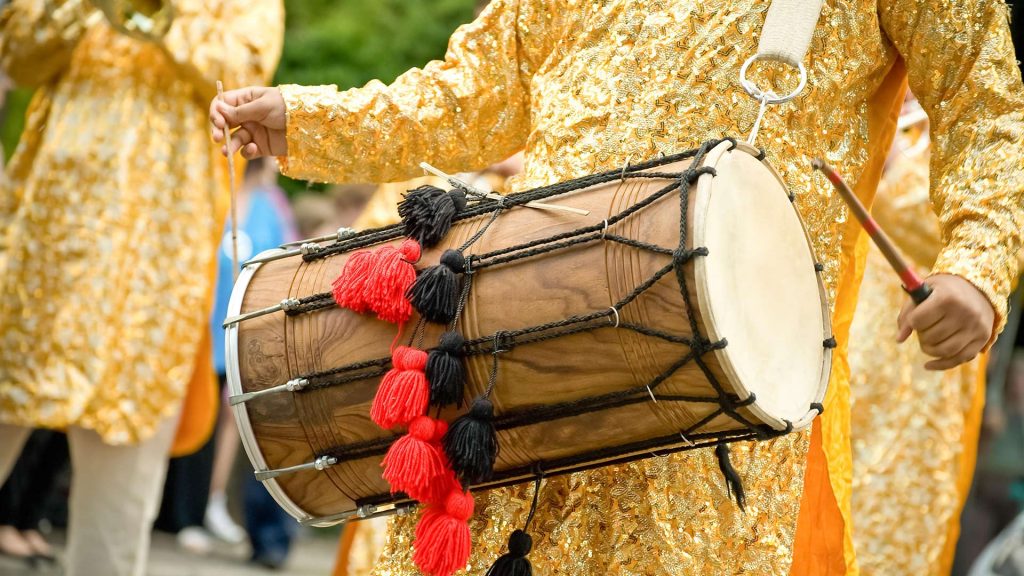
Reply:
x=435, y=293
x=427, y=213
x=472, y=443
x=514, y=562
x=733, y=483
x=445, y=372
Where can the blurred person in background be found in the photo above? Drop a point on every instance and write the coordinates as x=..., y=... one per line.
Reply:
x=314, y=214
x=914, y=431
x=24, y=495
x=264, y=222
x=349, y=202
x=997, y=495
x=322, y=213
x=111, y=212
x=195, y=501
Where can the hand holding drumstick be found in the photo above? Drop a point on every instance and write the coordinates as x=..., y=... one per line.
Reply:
x=953, y=319
x=257, y=116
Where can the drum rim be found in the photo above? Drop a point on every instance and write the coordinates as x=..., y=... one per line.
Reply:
x=705, y=183
x=245, y=431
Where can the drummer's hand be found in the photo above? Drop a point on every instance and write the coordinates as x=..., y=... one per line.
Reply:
x=953, y=324
x=259, y=116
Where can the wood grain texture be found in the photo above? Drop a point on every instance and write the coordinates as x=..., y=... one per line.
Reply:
x=293, y=428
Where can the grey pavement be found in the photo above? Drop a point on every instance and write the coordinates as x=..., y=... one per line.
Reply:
x=312, y=555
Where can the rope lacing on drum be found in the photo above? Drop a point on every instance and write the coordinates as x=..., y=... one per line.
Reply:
x=697, y=344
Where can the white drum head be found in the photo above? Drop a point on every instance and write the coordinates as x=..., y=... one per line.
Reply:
x=758, y=288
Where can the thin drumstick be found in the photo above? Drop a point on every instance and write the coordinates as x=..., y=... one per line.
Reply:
x=912, y=283
x=231, y=184
x=465, y=186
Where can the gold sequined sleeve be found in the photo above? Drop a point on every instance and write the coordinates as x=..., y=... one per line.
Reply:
x=461, y=113
x=962, y=68
x=236, y=41
x=36, y=41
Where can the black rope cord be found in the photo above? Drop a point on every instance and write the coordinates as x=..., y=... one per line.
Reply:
x=697, y=344
x=599, y=458
x=486, y=206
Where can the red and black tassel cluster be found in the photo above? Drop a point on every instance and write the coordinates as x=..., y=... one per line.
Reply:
x=377, y=281
x=431, y=461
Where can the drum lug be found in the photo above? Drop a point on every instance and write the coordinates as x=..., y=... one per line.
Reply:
x=321, y=463
x=293, y=385
x=341, y=234
x=285, y=305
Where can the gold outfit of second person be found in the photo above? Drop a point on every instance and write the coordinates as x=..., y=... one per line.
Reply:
x=110, y=213
x=588, y=86
x=112, y=209
x=915, y=431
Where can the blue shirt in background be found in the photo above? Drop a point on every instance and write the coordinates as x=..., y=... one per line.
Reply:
x=263, y=227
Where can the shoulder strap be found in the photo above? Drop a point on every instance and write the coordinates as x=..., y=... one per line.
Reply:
x=787, y=30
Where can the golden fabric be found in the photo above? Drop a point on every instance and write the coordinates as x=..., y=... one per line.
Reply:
x=588, y=86
x=200, y=404
x=824, y=537
x=908, y=422
x=112, y=210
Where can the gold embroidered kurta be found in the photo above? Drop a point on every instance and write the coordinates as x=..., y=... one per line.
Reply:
x=588, y=86
x=112, y=209
x=914, y=431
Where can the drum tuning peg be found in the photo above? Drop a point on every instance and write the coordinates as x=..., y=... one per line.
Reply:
x=341, y=234
x=320, y=464
x=293, y=385
x=453, y=181
x=306, y=247
x=286, y=305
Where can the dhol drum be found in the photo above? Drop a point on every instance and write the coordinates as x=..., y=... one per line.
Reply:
x=685, y=310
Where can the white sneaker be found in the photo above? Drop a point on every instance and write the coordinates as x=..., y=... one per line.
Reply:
x=195, y=540
x=219, y=522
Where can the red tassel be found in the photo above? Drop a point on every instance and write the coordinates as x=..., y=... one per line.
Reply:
x=446, y=482
x=378, y=281
x=442, y=543
x=404, y=392
x=440, y=429
x=442, y=486
x=349, y=285
x=415, y=460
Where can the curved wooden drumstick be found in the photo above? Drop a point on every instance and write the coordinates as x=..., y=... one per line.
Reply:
x=912, y=283
x=231, y=184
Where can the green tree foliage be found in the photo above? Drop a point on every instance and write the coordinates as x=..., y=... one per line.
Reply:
x=349, y=42
x=12, y=119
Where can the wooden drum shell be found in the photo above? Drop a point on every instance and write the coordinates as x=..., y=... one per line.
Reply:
x=289, y=429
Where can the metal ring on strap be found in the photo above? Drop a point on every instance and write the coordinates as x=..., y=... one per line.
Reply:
x=769, y=96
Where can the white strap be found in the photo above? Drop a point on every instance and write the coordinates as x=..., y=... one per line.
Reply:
x=787, y=30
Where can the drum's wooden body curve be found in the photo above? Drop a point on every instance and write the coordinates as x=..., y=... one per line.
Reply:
x=288, y=429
